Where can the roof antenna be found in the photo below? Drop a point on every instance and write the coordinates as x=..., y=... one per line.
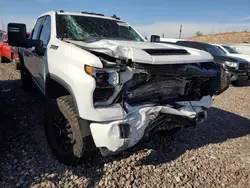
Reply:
x=114, y=16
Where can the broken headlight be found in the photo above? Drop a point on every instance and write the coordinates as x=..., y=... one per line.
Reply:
x=104, y=76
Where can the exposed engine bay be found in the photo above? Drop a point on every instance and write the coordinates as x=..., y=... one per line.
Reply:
x=138, y=83
x=155, y=98
x=157, y=89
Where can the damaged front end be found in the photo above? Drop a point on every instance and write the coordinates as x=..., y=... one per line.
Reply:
x=154, y=98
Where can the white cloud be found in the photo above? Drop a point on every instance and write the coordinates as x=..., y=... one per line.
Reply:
x=171, y=29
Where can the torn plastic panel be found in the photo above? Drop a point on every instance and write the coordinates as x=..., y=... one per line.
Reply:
x=140, y=120
x=161, y=84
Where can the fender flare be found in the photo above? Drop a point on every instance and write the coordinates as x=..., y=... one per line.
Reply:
x=66, y=86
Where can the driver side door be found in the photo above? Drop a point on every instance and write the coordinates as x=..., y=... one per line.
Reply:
x=30, y=54
x=42, y=61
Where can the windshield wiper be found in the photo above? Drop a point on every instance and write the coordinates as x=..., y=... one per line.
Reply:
x=64, y=35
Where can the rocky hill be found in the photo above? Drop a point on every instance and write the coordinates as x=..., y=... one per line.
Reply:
x=224, y=38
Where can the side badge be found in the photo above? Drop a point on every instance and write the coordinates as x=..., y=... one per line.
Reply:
x=54, y=47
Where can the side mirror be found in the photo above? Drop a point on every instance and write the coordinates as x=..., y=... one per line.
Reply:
x=155, y=38
x=18, y=36
x=40, y=50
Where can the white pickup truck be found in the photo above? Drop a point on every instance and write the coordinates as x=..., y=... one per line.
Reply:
x=106, y=87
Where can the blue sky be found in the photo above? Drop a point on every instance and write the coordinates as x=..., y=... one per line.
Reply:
x=162, y=16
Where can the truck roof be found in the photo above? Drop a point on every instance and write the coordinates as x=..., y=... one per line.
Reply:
x=81, y=14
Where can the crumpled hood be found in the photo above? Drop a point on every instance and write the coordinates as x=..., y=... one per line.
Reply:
x=155, y=53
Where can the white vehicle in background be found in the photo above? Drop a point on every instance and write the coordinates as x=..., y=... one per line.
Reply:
x=170, y=39
x=104, y=83
x=241, y=48
x=232, y=52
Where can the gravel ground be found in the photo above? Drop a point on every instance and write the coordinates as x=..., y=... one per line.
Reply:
x=215, y=154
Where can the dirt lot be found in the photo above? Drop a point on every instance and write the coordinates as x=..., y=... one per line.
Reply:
x=215, y=154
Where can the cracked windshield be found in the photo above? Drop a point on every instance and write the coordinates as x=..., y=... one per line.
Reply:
x=91, y=29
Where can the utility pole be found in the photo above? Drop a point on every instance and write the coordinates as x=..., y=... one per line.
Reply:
x=180, y=31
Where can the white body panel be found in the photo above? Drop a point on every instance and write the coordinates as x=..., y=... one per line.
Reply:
x=170, y=39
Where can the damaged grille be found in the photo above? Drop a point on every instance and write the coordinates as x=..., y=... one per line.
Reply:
x=156, y=90
x=164, y=84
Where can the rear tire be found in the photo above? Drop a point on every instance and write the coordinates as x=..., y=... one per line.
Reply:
x=63, y=133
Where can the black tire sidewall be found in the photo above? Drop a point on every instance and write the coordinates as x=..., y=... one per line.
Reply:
x=53, y=107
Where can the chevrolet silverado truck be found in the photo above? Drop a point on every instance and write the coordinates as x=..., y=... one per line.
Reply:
x=106, y=87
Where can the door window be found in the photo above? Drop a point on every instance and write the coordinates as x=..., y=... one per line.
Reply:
x=37, y=28
x=46, y=30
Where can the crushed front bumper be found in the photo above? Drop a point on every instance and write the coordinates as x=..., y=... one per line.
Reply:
x=115, y=136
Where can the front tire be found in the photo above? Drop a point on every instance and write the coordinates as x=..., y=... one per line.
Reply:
x=63, y=133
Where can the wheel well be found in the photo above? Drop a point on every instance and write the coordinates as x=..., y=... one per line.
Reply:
x=54, y=89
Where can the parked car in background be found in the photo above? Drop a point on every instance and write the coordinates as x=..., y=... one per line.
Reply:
x=232, y=52
x=242, y=48
x=237, y=68
x=6, y=52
